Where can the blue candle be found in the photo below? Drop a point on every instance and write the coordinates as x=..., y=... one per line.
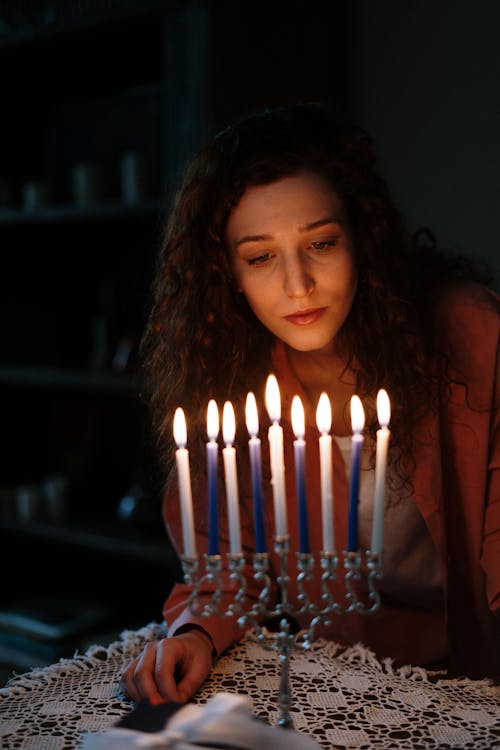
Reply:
x=299, y=450
x=252, y=421
x=213, y=492
x=358, y=423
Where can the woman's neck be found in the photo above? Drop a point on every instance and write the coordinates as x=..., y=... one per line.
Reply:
x=327, y=372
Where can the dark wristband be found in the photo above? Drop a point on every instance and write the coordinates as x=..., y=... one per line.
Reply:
x=189, y=627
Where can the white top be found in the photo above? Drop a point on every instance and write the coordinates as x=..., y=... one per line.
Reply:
x=412, y=569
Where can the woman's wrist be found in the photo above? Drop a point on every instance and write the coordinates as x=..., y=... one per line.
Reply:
x=201, y=633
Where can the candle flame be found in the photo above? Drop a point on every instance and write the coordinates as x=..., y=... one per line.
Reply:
x=228, y=423
x=298, y=417
x=357, y=414
x=252, y=417
x=324, y=414
x=212, y=420
x=383, y=408
x=273, y=401
x=180, y=430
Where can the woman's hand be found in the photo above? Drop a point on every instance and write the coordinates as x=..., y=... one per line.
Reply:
x=171, y=669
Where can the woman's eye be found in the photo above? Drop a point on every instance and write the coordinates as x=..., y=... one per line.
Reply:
x=324, y=244
x=259, y=260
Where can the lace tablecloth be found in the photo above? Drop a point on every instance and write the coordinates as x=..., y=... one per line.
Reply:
x=344, y=698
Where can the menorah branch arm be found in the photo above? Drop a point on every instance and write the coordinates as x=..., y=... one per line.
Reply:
x=212, y=576
x=236, y=567
x=305, y=566
x=352, y=565
x=322, y=615
x=375, y=573
x=260, y=608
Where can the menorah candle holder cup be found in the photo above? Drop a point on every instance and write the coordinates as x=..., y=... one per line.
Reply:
x=361, y=572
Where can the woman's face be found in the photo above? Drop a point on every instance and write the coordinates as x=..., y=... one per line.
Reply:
x=293, y=259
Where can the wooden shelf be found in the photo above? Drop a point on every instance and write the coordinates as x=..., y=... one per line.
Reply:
x=69, y=213
x=72, y=380
x=33, y=26
x=126, y=542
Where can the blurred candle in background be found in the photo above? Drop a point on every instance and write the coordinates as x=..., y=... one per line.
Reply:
x=229, y=458
x=254, y=446
x=358, y=423
x=213, y=492
x=277, y=460
x=299, y=452
x=184, y=479
x=383, y=436
x=324, y=422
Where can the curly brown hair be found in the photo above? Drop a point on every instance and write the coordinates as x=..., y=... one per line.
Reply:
x=202, y=339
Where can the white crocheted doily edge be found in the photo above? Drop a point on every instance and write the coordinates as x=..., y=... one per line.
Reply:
x=131, y=639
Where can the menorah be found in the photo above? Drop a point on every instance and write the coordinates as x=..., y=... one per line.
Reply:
x=358, y=567
x=361, y=569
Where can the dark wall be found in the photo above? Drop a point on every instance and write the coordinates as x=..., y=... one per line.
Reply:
x=426, y=84
x=268, y=53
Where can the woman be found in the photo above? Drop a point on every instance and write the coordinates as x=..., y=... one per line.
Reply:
x=285, y=254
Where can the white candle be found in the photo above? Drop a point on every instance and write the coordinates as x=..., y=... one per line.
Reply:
x=324, y=422
x=229, y=457
x=184, y=479
x=383, y=435
x=277, y=460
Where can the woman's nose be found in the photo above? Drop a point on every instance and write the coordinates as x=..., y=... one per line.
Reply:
x=298, y=281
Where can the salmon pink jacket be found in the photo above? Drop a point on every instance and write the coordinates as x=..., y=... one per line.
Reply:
x=456, y=488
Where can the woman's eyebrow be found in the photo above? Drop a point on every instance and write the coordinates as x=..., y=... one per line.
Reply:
x=320, y=223
x=253, y=238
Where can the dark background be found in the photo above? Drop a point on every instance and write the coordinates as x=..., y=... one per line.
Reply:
x=90, y=82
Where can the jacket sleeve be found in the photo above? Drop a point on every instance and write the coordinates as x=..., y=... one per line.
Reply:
x=490, y=559
x=491, y=540
x=223, y=630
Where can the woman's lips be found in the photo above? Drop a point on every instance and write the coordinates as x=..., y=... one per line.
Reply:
x=305, y=317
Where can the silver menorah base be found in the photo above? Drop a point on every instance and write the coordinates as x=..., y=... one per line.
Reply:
x=359, y=568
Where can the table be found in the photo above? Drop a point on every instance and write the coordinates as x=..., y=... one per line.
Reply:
x=343, y=698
